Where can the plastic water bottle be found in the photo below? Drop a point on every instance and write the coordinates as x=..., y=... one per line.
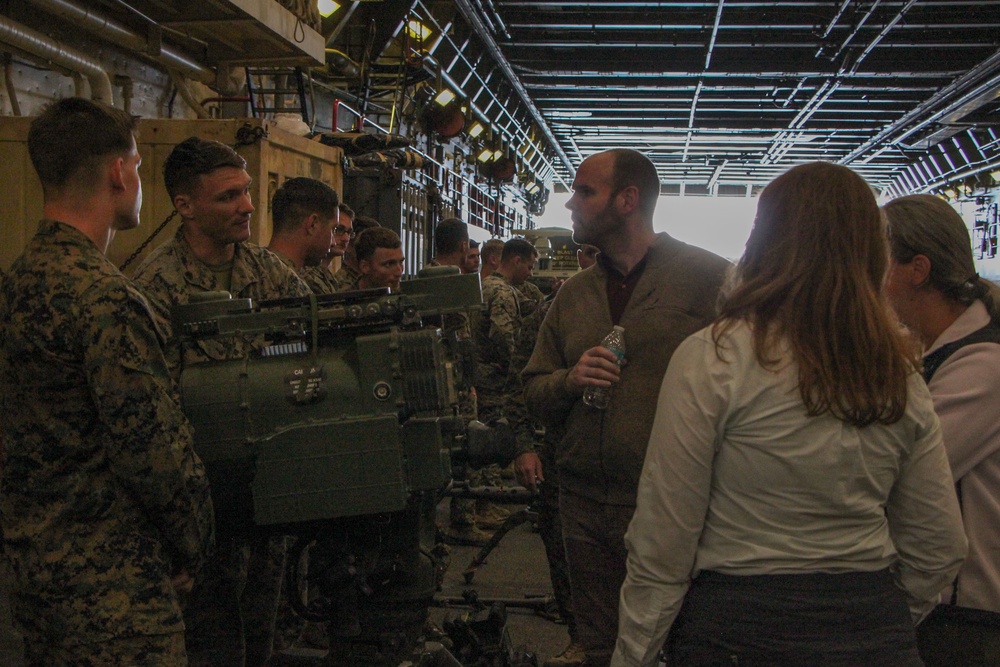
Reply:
x=599, y=397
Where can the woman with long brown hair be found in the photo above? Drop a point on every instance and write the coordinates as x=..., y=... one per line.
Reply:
x=795, y=506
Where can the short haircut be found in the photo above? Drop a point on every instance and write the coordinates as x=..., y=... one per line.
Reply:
x=363, y=222
x=473, y=244
x=373, y=238
x=518, y=248
x=492, y=248
x=634, y=168
x=346, y=210
x=193, y=157
x=449, y=235
x=297, y=199
x=67, y=141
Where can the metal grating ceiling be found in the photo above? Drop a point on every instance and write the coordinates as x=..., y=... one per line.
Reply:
x=725, y=95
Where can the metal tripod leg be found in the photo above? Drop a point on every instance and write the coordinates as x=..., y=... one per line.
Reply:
x=513, y=521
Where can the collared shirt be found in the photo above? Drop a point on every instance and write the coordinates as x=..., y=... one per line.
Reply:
x=739, y=479
x=620, y=287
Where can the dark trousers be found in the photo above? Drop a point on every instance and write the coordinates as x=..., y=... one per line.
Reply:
x=230, y=619
x=551, y=531
x=829, y=620
x=953, y=636
x=594, y=536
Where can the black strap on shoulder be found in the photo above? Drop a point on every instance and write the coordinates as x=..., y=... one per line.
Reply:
x=988, y=334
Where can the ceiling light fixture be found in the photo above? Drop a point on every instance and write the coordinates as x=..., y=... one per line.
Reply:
x=328, y=7
x=476, y=130
x=418, y=30
x=444, y=97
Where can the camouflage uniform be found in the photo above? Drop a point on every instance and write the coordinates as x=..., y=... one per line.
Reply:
x=319, y=280
x=532, y=292
x=103, y=499
x=345, y=278
x=230, y=620
x=496, y=333
x=171, y=273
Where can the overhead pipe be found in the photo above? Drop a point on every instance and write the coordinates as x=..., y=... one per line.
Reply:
x=725, y=75
x=116, y=33
x=15, y=106
x=929, y=106
x=474, y=20
x=715, y=33
x=41, y=46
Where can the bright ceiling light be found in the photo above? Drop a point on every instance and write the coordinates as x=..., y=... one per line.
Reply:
x=497, y=154
x=532, y=189
x=485, y=155
x=995, y=175
x=444, y=97
x=328, y=7
x=418, y=30
x=476, y=130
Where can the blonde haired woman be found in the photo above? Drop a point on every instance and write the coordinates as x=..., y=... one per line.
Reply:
x=795, y=506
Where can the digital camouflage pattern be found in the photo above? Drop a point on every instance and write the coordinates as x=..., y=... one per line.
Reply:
x=319, y=280
x=316, y=278
x=102, y=498
x=231, y=614
x=531, y=291
x=345, y=278
x=147, y=651
x=171, y=274
x=497, y=331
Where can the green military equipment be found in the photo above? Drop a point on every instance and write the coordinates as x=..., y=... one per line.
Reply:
x=349, y=410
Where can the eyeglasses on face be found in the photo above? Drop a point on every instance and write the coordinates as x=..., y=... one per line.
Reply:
x=340, y=230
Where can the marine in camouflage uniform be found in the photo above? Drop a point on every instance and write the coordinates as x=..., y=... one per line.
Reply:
x=103, y=500
x=319, y=280
x=171, y=274
x=232, y=611
x=306, y=229
x=316, y=278
x=498, y=328
x=497, y=332
x=230, y=620
x=346, y=277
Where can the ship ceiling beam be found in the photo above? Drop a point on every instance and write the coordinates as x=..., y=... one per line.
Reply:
x=476, y=23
